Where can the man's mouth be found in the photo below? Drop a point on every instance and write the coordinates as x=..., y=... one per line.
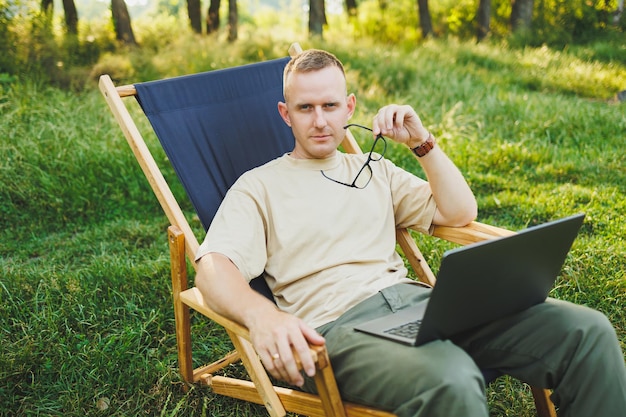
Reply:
x=321, y=137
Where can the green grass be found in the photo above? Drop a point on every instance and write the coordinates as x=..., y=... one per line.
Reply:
x=86, y=319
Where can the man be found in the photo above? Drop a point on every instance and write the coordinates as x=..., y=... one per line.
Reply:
x=329, y=271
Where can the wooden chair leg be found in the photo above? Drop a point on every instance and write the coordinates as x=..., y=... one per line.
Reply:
x=258, y=375
x=327, y=387
x=178, y=266
x=543, y=403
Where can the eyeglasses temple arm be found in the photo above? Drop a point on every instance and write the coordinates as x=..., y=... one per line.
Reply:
x=350, y=144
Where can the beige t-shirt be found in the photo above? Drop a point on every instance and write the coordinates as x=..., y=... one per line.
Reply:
x=323, y=247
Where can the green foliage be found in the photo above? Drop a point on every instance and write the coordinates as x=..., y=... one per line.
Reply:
x=396, y=22
x=85, y=309
x=545, y=69
x=33, y=46
x=36, y=49
x=460, y=17
x=169, y=7
x=555, y=22
x=156, y=31
x=561, y=22
x=36, y=46
x=7, y=38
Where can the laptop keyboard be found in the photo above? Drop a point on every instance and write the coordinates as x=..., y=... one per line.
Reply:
x=406, y=330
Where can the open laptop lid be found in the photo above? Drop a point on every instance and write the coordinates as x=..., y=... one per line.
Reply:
x=484, y=281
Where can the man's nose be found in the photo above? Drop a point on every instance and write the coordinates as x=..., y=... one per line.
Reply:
x=320, y=120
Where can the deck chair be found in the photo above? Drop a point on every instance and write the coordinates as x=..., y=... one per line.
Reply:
x=200, y=124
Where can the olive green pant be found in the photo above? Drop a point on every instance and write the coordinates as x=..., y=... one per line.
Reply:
x=559, y=345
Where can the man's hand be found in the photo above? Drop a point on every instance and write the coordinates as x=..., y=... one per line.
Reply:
x=277, y=336
x=456, y=205
x=400, y=123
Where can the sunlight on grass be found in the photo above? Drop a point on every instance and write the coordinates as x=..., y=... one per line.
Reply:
x=85, y=310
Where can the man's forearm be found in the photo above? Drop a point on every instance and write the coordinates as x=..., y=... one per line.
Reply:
x=456, y=204
x=227, y=292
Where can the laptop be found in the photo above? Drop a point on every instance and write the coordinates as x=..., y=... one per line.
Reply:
x=482, y=282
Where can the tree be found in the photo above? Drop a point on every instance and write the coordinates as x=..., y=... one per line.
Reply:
x=351, y=7
x=71, y=17
x=426, y=23
x=213, y=17
x=121, y=22
x=483, y=19
x=194, y=12
x=47, y=6
x=233, y=17
x=521, y=14
x=317, y=17
x=618, y=12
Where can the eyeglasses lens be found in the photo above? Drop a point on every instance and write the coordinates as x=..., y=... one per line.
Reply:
x=364, y=177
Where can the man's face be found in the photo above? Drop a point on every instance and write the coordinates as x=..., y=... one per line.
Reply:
x=317, y=107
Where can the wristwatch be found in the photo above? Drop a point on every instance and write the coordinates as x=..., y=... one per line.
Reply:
x=425, y=147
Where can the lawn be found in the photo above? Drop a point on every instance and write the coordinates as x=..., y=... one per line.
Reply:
x=86, y=317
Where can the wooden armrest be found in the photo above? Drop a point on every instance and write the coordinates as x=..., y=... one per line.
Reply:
x=193, y=298
x=472, y=233
x=320, y=356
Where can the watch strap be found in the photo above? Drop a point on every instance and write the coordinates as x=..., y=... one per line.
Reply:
x=425, y=147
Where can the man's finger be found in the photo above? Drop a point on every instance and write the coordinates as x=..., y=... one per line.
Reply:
x=290, y=367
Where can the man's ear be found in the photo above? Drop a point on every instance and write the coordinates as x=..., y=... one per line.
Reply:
x=284, y=113
x=351, y=102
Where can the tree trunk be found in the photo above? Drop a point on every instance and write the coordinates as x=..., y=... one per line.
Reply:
x=194, y=12
x=233, y=16
x=71, y=17
x=483, y=19
x=521, y=14
x=213, y=17
x=618, y=12
x=47, y=6
x=121, y=22
x=426, y=23
x=351, y=7
x=317, y=18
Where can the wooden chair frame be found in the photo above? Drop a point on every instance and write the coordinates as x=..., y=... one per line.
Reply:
x=183, y=243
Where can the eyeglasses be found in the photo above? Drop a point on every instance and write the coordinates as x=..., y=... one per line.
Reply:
x=364, y=176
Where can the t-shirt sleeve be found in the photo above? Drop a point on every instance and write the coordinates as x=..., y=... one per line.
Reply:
x=238, y=232
x=413, y=201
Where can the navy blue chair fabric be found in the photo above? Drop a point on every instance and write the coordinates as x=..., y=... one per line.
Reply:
x=216, y=125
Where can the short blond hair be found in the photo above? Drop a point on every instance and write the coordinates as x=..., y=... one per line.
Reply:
x=310, y=60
